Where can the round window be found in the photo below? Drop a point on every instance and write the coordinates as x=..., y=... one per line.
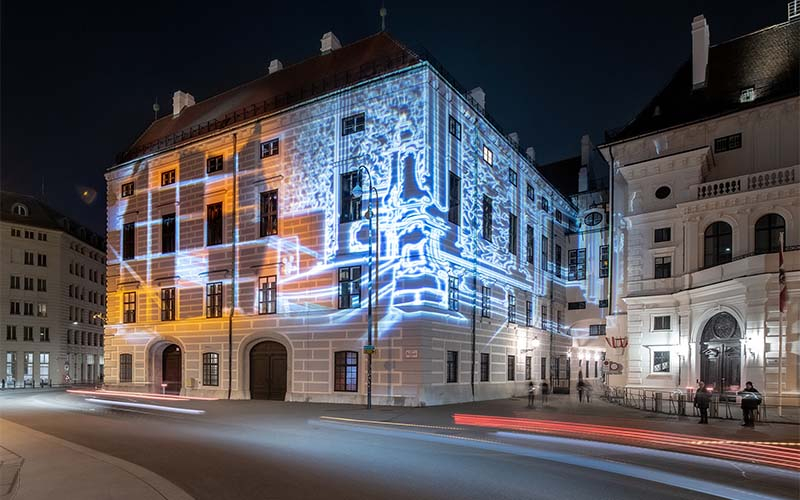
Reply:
x=663, y=192
x=593, y=218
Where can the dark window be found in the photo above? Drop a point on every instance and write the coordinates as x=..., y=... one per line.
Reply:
x=168, y=233
x=596, y=330
x=661, y=323
x=168, y=177
x=452, y=292
x=545, y=204
x=214, y=300
x=214, y=224
x=484, y=367
x=529, y=244
x=662, y=234
x=513, y=234
x=210, y=368
x=268, y=294
x=512, y=308
x=718, y=244
x=345, y=374
x=351, y=205
x=512, y=367
x=558, y=260
x=544, y=263
x=528, y=367
x=663, y=267
x=593, y=218
x=604, y=261
x=129, y=307
x=603, y=304
x=543, y=368
x=27, y=333
x=125, y=367
x=768, y=231
x=663, y=192
x=577, y=264
x=660, y=361
x=452, y=366
x=214, y=164
x=28, y=258
x=576, y=305
x=168, y=304
x=14, y=307
x=487, y=218
x=544, y=317
x=530, y=192
x=727, y=143
x=350, y=287
x=44, y=334
x=41, y=285
x=11, y=332
x=512, y=176
x=559, y=216
x=454, y=199
x=41, y=260
x=454, y=127
x=528, y=313
x=270, y=148
x=269, y=213
x=353, y=124
x=486, y=302
x=127, y=189
x=128, y=240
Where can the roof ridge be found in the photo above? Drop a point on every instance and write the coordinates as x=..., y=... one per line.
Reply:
x=756, y=32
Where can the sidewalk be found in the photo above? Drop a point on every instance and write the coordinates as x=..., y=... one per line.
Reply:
x=34, y=465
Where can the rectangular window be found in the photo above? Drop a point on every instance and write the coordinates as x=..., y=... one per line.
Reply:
x=528, y=368
x=127, y=189
x=545, y=205
x=544, y=317
x=660, y=361
x=44, y=334
x=558, y=261
x=28, y=311
x=576, y=305
x=350, y=205
x=543, y=368
x=42, y=236
x=350, y=287
x=661, y=323
x=577, y=264
x=488, y=155
x=28, y=258
x=168, y=304
x=270, y=148
x=603, y=304
x=125, y=367
x=41, y=285
x=452, y=293
x=269, y=213
x=512, y=308
x=454, y=199
x=512, y=367
x=544, y=263
x=28, y=366
x=727, y=143
x=597, y=330
x=512, y=176
x=168, y=233
x=452, y=366
x=528, y=313
x=27, y=333
x=14, y=283
x=129, y=307
x=345, y=376
x=454, y=127
x=214, y=164
x=662, y=234
x=486, y=302
x=128, y=240
x=168, y=177
x=44, y=365
x=604, y=261
x=484, y=367
x=559, y=216
x=41, y=260
x=513, y=234
x=41, y=310
x=559, y=320
x=268, y=294
x=487, y=218
x=214, y=224
x=210, y=368
x=663, y=267
x=214, y=300
x=529, y=244
x=353, y=124
x=11, y=332
x=11, y=365
x=27, y=283
x=530, y=192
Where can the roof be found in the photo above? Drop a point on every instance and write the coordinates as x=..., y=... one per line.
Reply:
x=766, y=60
x=324, y=73
x=42, y=216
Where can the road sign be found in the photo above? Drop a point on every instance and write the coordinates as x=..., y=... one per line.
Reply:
x=369, y=349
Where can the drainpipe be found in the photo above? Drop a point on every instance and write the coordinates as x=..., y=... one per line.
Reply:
x=233, y=271
x=611, y=250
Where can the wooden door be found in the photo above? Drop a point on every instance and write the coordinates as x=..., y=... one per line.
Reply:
x=171, y=369
x=268, y=371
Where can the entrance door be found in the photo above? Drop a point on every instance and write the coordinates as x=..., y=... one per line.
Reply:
x=721, y=353
x=171, y=369
x=559, y=375
x=268, y=371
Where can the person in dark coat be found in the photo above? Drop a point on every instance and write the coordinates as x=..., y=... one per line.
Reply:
x=581, y=386
x=751, y=398
x=531, y=394
x=701, y=402
x=545, y=388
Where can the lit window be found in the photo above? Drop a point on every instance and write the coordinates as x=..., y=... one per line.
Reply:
x=345, y=374
x=168, y=304
x=129, y=307
x=353, y=124
x=488, y=155
x=127, y=189
x=268, y=294
x=660, y=361
x=350, y=287
x=270, y=148
x=452, y=293
x=604, y=261
x=747, y=95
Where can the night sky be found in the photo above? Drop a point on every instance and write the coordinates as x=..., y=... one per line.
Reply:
x=79, y=80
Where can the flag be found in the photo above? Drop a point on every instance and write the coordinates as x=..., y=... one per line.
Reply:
x=781, y=276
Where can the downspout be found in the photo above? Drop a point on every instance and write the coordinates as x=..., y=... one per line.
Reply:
x=233, y=271
x=474, y=285
x=611, y=250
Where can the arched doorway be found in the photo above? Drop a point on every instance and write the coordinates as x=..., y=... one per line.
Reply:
x=268, y=371
x=171, y=369
x=721, y=352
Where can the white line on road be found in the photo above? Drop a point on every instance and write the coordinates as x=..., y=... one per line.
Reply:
x=186, y=411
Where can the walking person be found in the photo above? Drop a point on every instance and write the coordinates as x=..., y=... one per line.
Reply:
x=587, y=388
x=531, y=395
x=701, y=402
x=545, y=391
x=581, y=386
x=750, y=402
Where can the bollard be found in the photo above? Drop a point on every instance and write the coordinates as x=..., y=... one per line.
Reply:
x=657, y=402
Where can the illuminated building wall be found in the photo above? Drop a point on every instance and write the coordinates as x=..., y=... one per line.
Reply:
x=408, y=148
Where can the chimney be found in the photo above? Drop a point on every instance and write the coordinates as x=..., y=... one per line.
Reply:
x=514, y=138
x=181, y=100
x=531, y=154
x=329, y=43
x=479, y=97
x=275, y=65
x=700, y=42
x=586, y=149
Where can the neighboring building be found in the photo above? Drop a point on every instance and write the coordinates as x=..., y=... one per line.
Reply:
x=706, y=177
x=239, y=241
x=53, y=295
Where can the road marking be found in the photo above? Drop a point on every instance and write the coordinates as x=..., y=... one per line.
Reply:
x=187, y=411
x=773, y=443
x=381, y=422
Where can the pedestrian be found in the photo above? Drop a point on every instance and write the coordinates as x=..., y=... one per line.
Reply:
x=588, y=391
x=750, y=402
x=545, y=391
x=581, y=387
x=4, y=384
x=531, y=395
x=701, y=401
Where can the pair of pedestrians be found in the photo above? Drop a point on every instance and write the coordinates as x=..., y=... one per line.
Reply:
x=751, y=398
x=532, y=394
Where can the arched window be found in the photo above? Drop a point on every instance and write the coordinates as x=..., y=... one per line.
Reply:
x=768, y=230
x=19, y=209
x=718, y=244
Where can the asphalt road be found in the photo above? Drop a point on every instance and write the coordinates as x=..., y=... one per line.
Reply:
x=271, y=450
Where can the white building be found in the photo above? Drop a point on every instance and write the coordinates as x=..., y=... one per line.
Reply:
x=54, y=284
x=239, y=261
x=705, y=179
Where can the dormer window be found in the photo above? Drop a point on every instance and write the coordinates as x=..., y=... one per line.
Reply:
x=20, y=209
x=747, y=95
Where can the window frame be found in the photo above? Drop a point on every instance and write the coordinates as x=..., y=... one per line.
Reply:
x=488, y=155
x=128, y=243
x=511, y=300
x=215, y=230
x=268, y=294
x=662, y=267
x=664, y=366
x=513, y=233
x=214, y=300
x=577, y=264
x=215, y=164
x=486, y=220
x=454, y=127
x=727, y=143
x=485, y=367
x=345, y=371
x=530, y=237
x=662, y=234
x=513, y=177
x=511, y=369
x=269, y=210
x=773, y=224
x=168, y=177
x=454, y=198
x=486, y=302
x=127, y=189
x=347, y=182
x=453, y=299
x=270, y=148
x=604, y=261
x=662, y=322
x=168, y=301
x=528, y=368
x=125, y=368
x=349, y=287
x=353, y=124
x=129, y=307
x=211, y=369
x=451, y=371
x=168, y=233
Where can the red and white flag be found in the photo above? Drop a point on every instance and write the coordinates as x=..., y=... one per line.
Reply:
x=781, y=277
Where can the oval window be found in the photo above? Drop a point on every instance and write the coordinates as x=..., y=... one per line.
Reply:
x=663, y=192
x=593, y=218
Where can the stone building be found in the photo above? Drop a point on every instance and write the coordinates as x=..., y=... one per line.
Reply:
x=52, y=329
x=244, y=263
